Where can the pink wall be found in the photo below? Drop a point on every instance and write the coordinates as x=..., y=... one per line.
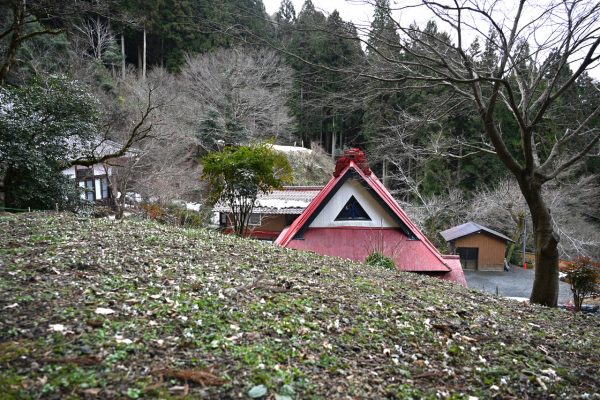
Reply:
x=357, y=243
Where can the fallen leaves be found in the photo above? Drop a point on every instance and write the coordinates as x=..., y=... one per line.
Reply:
x=268, y=316
x=201, y=377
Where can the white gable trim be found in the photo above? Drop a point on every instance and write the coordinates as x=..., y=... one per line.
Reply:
x=379, y=217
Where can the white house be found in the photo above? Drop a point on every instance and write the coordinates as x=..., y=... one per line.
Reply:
x=95, y=179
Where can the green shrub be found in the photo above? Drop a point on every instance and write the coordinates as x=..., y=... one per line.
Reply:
x=379, y=260
x=583, y=275
x=189, y=218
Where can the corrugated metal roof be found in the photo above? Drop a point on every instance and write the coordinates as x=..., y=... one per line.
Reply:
x=469, y=228
x=95, y=147
x=289, y=200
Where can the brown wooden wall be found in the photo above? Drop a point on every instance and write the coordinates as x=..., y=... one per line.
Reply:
x=271, y=223
x=491, y=250
x=270, y=226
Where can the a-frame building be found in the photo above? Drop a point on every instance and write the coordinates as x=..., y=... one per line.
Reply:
x=354, y=215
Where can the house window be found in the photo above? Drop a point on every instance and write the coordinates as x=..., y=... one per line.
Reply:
x=254, y=219
x=90, y=191
x=223, y=220
x=104, y=188
x=353, y=211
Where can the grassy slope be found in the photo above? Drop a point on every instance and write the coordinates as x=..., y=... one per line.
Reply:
x=251, y=314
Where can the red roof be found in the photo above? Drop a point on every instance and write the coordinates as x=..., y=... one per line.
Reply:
x=424, y=251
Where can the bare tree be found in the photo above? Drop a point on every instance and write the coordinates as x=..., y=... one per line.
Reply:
x=97, y=36
x=165, y=165
x=137, y=120
x=574, y=203
x=502, y=207
x=236, y=95
x=534, y=46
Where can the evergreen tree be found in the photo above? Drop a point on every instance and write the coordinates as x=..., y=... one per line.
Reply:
x=42, y=127
x=383, y=38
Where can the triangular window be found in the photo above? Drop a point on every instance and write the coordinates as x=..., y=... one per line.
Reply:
x=353, y=211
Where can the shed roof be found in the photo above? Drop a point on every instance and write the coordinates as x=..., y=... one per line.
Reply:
x=289, y=200
x=470, y=228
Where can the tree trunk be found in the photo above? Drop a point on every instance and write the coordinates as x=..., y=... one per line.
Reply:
x=545, y=284
x=9, y=181
x=98, y=39
x=144, y=56
x=333, y=140
x=385, y=172
x=13, y=46
x=123, y=56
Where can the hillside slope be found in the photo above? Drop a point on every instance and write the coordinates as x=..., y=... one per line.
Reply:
x=103, y=309
x=309, y=166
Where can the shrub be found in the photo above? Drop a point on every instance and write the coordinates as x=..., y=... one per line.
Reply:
x=153, y=211
x=583, y=276
x=174, y=215
x=379, y=260
x=189, y=218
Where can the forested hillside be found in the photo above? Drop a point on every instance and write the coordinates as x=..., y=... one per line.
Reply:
x=178, y=79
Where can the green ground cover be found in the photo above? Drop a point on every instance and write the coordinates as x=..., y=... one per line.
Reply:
x=93, y=308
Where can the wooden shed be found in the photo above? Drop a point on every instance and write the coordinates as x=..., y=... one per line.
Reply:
x=480, y=248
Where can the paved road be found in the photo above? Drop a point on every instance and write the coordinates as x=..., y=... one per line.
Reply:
x=515, y=283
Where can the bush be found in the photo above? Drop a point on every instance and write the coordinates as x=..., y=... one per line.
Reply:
x=584, y=277
x=189, y=218
x=379, y=260
x=174, y=215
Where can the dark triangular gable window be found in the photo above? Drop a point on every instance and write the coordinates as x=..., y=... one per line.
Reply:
x=353, y=211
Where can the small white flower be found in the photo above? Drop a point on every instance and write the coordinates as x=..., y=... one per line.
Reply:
x=58, y=328
x=104, y=311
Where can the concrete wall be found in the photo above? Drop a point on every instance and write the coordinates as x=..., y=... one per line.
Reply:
x=491, y=250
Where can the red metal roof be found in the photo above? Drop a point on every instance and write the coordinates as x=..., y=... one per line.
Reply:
x=421, y=249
